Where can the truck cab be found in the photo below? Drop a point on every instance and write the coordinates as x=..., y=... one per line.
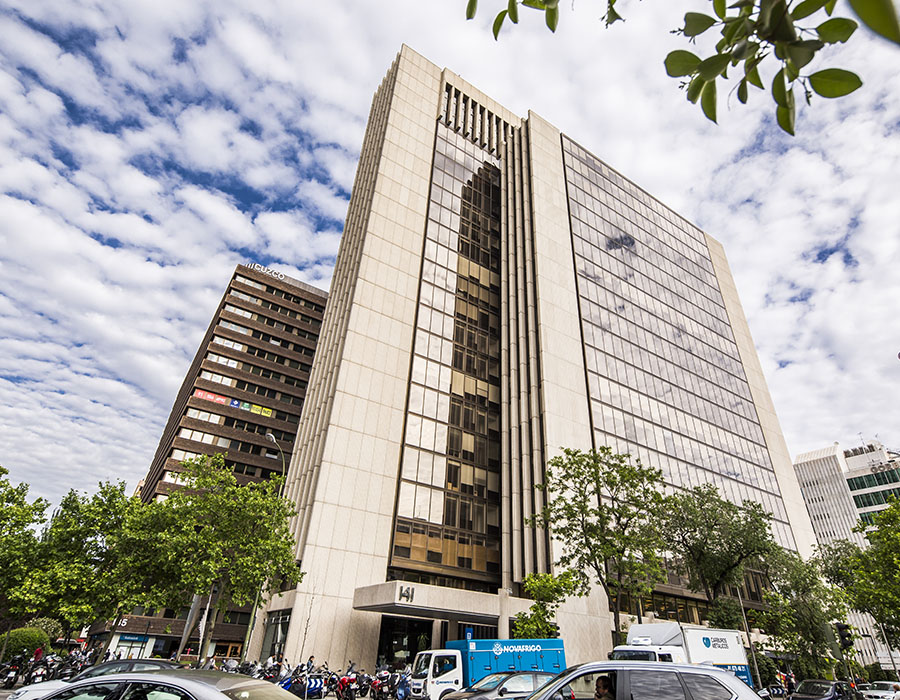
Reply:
x=640, y=649
x=436, y=673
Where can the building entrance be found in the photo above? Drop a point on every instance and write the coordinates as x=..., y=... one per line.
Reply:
x=401, y=638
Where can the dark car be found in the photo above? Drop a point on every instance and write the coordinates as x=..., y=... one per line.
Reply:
x=506, y=684
x=825, y=690
x=41, y=690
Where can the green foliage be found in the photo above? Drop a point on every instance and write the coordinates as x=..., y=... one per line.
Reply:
x=725, y=613
x=713, y=539
x=53, y=629
x=548, y=592
x=768, y=670
x=25, y=640
x=801, y=607
x=18, y=544
x=82, y=569
x=753, y=33
x=215, y=533
x=873, y=672
x=604, y=509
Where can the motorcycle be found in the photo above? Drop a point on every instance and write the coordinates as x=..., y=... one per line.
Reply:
x=12, y=670
x=402, y=692
x=348, y=685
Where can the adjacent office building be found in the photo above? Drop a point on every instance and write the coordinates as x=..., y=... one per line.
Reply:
x=840, y=489
x=242, y=396
x=501, y=293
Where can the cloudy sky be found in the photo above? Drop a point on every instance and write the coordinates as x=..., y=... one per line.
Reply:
x=148, y=147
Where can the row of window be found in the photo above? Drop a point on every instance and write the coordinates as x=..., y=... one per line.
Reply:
x=257, y=370
x=287, y=296
x=867, y=481
x=180, y=455
x=230, y=443
x=277, y=308
x=446, y=546
x=237, y=328
x=876, y=498
x=251, y=388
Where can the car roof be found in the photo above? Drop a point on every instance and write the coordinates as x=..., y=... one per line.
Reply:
x=184, y=677
x=650, y=665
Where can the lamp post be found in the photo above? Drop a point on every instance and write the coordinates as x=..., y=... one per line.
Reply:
x=271, y=438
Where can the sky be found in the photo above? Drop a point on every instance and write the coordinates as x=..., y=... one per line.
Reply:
x=146, y=148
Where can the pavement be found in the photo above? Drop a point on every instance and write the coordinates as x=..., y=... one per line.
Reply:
x=5, y=693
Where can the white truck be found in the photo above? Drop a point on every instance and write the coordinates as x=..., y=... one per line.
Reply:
x=678, y=643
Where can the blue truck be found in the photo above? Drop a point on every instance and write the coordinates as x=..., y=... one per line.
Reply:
x=438, y=672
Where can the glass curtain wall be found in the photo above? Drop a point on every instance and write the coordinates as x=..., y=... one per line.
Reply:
x=665, y=377
x=447, y=525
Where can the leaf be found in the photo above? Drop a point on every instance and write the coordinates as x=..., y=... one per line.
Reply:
x=785, y=117
x=714, y=66
x=498, y=23
x=708, y=100
x=834, y=82
x=694, y=89
x=513, y=10
x=779, y=93
x=807, y=7
x=680, y=63
x=753, y=78
x=742, y=91
x=471, y=7
x=836, y=30
x=719, y=8
x=551, y=17
x=696, y=23
x=829, y=6
x=534, y=4
x=880, y=16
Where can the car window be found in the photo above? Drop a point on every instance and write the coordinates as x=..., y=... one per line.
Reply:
x=655, y=685
x=146, y=666
x=104, y=670
x=584, y=686
x=541, y=679
x=442, y=665
x=523, y=683
x=89, y=691
x=705, y=688
x=153, y=691
x=489, y=682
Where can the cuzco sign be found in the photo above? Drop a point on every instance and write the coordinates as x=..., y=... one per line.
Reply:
x=267, y=270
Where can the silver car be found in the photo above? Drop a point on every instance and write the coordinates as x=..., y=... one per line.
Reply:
x=35, y=691
x=879, y=690
x=171, y=684
x=644, y=680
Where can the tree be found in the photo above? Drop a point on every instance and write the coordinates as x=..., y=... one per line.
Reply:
x=84, y=570
x=753, y=33
x=604, y=508
x=801, y=608
x=713, y=539
x=548, y=592
x=24, y=640
x=18, y=547
x=229, y=541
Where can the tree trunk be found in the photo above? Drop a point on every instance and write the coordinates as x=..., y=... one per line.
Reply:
x=5, y=640
x=112, y=630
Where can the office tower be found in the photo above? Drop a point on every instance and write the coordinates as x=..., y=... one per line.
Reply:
x=501, y=293
x=248, y=378
x=840, y=489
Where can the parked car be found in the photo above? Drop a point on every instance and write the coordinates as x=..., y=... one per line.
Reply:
x=879, y=690
x=506, y=684
x=35, y=691
x=645, y=680
x=171, y=684
x=825, y=690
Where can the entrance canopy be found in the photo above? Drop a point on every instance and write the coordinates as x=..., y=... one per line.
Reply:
x=436, y=602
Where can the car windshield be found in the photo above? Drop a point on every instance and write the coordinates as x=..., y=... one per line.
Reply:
x=546, y=684
x=489, y=682
x=881, y=685
x=633, y=655
x=423, y=661
x=814, y=688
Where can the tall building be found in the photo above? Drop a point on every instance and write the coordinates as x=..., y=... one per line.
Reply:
x=840, y=489
x=501, y=293
x=248, y=379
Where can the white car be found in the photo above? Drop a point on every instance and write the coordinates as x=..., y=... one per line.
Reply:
x=879, y=690
x=43, y=689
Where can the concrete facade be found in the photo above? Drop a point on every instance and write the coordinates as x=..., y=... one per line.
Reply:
x=466, y=343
